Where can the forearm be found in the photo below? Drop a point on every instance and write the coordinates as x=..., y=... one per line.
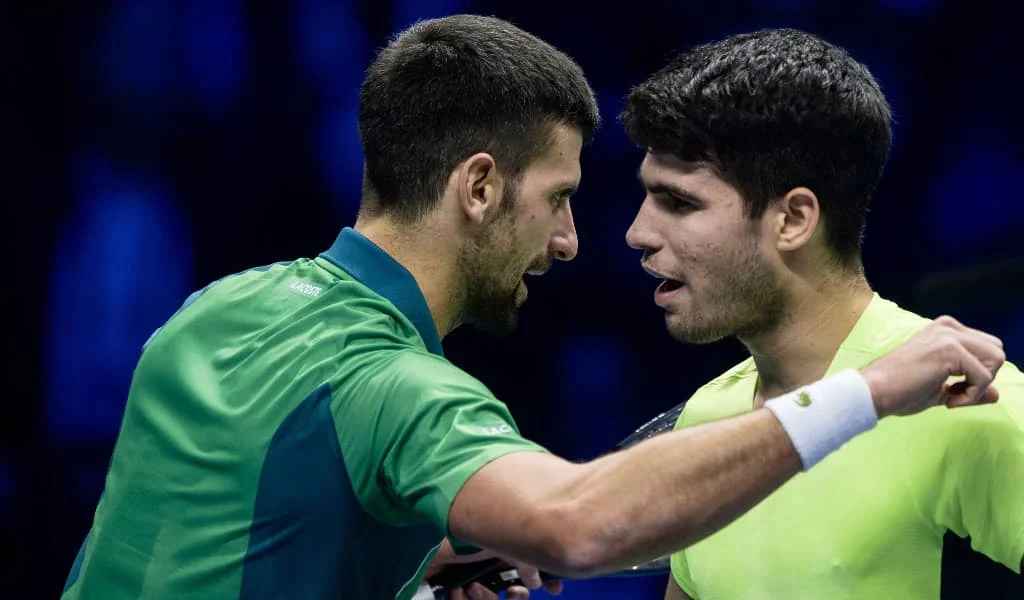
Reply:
x=707, y=476
x=637, y=504
x=666, y=493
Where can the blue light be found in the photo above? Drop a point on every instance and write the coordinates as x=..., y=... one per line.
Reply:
x=406, y=12
x=341, y=157
x=332, y=48
x=975, y=192
x=613, y=588
x=887, y=65
x=121, y=268
x=137, y=52
x=612, y=141
x=89, y=480
x=592, y=388
x=214, y=45
x=333, y=52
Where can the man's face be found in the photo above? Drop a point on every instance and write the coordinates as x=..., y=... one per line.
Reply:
x=714, y=263
x=534, y=227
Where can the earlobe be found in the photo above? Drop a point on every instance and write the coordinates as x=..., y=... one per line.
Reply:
x=799, y=214
x=478, y=184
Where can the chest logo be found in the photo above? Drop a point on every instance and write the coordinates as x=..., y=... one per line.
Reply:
x=306, y=289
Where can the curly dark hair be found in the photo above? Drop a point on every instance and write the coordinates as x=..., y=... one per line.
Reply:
x=769, y=111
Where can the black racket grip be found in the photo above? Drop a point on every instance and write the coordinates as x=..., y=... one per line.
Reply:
x=493, y=574
x=456, y=576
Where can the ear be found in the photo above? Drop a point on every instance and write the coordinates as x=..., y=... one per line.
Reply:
x=797, y=219
x=477, y=186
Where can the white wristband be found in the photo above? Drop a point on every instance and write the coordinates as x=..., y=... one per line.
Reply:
x=823, y=416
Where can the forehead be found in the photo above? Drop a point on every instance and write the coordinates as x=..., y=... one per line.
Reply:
x=560, y=163
x=667, y=173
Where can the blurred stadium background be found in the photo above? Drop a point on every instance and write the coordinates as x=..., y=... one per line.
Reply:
x=151, y=146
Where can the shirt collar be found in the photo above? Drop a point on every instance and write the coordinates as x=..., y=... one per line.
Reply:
x=377, y=270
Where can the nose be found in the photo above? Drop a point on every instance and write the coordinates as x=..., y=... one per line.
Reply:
x=565, y=244
x=639, y=235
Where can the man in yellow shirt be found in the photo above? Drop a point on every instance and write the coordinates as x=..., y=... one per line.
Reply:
x=764, y=150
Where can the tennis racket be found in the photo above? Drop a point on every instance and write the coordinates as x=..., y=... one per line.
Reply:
x=497, y=575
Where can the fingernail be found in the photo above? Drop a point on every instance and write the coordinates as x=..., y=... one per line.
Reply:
x=474, y=592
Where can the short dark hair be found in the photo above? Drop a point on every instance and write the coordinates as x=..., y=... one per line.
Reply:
x=769, y=111
x=447, y=88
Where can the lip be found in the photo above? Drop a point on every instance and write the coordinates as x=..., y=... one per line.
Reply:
x=662, y=296
x=539, y=270
x=522, y=295
x=653, y=273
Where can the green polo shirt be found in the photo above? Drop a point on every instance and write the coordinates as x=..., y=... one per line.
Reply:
x=293, y=431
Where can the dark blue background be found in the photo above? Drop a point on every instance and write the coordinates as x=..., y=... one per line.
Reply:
x=151, y=146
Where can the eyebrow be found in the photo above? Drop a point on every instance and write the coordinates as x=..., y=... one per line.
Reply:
x=667, y=188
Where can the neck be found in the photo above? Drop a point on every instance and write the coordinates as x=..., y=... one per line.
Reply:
x=800, y=350
x=429, y=259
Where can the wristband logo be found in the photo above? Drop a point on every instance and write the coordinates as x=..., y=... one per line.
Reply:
x=803, y=399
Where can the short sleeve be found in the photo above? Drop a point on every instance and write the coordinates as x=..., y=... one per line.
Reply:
x=415, y=432
x=681, y=573
x=982, y=490
x=680, y=567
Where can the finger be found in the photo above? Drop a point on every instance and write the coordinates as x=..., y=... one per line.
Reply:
x=952, y=323
x=960, y=344
x=457, y=594
x=992, y=339
x=977, y=378
x=957, y=391
x=990, y=356
x=530, y=576
x=553, y=587
x=517, y=592
x=479, y=592
x=986, y=348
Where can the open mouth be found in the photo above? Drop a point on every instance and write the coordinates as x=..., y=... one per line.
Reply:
x=667, y=290
x=670, y=285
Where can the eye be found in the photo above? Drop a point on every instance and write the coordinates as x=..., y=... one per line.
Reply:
x=678, y=205
x=559, y=199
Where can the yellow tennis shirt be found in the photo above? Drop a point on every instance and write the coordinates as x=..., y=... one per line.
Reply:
x=868, y=521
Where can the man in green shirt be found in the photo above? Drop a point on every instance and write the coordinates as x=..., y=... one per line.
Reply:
x=294, y=431
x=764, y=152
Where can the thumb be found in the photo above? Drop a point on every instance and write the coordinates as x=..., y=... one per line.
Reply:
x=529, y=575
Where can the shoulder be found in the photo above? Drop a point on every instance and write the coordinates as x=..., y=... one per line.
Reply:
x=729, y=394
x=740, y=373
x=1005, y=417
x=955, y=429
x=884, y=326
x=412, y=371
x=963, y=432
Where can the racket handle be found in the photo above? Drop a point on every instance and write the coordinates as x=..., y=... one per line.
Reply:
x=496, y=575
x=493, y=574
